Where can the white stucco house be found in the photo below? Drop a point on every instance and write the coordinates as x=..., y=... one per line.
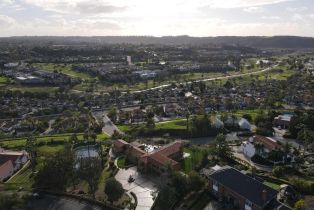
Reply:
x=268, y=144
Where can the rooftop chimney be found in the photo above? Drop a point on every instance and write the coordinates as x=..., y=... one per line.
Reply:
x=264, y=195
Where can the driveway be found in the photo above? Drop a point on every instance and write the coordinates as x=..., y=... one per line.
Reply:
x=50, y=202
x=109, y=126
x=143, y=187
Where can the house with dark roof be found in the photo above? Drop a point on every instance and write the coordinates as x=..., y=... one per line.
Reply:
x=156, y=161
x=240, y=190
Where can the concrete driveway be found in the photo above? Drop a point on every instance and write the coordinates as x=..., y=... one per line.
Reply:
x=50, y=202
x=143, y=187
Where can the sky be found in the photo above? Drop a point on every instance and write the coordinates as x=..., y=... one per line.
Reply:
x=156, y=17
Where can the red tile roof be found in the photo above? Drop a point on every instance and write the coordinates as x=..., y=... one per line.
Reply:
x=269, y=143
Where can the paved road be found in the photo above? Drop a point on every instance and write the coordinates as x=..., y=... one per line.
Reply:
x=50, y=202
x=209, y=79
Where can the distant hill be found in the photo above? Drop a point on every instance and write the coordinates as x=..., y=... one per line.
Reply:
x=250, y=41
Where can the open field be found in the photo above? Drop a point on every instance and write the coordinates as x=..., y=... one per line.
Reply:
x=63, y=68
x=54, y=142
x=40, y=89
x=174, y=124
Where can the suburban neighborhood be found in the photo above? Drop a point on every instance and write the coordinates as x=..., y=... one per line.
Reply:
x=99, y=125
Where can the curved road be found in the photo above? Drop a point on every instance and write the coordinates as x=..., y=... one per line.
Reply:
x=208, y=79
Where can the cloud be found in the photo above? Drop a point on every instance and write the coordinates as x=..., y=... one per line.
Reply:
x=297, y=9
x=6, y=22
x=242, y=3
x=297, y=17
x=76, y=6
x=253, y=9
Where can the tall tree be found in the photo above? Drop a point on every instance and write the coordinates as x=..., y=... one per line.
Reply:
x=222, y=147
x=90, y=170
x=30, y=148
x=113, y=189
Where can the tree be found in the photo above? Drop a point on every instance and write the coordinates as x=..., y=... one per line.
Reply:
x=196, y=183
x=299, y=205
x=73, y=138
x=30, y=148
x=57, y=171
x=222, y=148
x=113, y=189
x=179, y=182
x=166, y=198
x=278, y=171
x=112, y=114
x=90, y=170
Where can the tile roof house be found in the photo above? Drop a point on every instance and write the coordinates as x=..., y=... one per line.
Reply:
x=156, y=161
x=240, y=190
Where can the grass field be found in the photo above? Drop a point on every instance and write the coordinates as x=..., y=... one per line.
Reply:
x=19, y=143
x=124, y=128
x=195, y=158
x=63, y=68
x=174, y=124
x=22, y=179
x=46, y=89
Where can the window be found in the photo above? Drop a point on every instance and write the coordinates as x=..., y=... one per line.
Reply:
x=248, y=205
x=215, y=186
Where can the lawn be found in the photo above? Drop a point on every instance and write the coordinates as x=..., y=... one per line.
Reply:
x=46, y=89
x=102, y=136
x=22, y=179
x=174, y=124
x=124, y=128
x=59, y=139
x=4, y=81
x=63, y=68
x=272, y=185
x=196, y=157
x=121, y=162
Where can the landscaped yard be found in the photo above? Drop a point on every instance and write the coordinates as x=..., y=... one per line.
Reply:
x=196, y=157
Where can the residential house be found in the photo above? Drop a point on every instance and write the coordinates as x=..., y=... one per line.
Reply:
x=266, y=145
x=282, y=121
x=237, y=189
x=11, y=161
x=156, y=161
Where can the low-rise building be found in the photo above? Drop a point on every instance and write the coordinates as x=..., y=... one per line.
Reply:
x=156, y=161
x=239, y=190
x=265, y=145
x=11, y=161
